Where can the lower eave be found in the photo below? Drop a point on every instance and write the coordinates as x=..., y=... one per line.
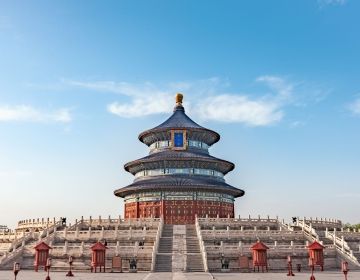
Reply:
x=178, y=183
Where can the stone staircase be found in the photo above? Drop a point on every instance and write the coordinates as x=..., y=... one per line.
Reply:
x=194, y=261
x=164, y=255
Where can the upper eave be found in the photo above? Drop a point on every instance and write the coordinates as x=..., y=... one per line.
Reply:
x=178, y=120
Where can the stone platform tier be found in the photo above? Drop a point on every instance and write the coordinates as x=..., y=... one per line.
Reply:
x=199, y=247
x=125, y=238
x=232, y=238
x=10, y=239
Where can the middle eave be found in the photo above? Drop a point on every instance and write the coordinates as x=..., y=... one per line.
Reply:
x=179, y=159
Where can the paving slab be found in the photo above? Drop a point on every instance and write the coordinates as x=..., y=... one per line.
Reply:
x=159, y=276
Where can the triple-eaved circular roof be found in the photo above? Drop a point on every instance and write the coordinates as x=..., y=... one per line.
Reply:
x=189, y=157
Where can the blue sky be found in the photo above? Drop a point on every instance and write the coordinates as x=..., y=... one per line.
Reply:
x=279, y=80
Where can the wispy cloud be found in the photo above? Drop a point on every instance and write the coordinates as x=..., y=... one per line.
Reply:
x=15, y=173
x=323, y=3
x=295, y=124
x=354, y=107
x=122, y=88
x=348, y=195
x=25, y=113
x=5, y=23
x=207, y=99
x=278, y=84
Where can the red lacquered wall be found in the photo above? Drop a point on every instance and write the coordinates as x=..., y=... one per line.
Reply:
x=179, y=211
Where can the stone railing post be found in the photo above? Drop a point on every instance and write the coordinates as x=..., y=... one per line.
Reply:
x=116, y=231
x=102, y=232
x=65, y=247
x=117, y=248
x=130, y=233
x=82, y=248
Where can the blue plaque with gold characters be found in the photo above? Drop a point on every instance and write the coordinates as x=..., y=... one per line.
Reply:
x=179, y=139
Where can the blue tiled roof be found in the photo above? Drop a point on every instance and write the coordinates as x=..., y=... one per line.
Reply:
x=169, y=155
x=179, y=120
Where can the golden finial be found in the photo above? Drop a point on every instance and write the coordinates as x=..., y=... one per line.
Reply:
x=179, y=98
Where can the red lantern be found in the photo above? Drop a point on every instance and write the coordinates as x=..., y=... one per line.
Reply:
x=259, y=254
x=41, y=255
x=316, y=253
x=98, y=256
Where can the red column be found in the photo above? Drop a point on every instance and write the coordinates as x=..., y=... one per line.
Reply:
x=137, y=210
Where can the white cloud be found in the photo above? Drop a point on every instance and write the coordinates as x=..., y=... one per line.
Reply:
x=142, y=106
x=354, y=107
x=25, y=113
x=208, y=99
x=233, y=108
x=145, y=99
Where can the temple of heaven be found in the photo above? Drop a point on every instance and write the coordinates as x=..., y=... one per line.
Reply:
x=179, y=178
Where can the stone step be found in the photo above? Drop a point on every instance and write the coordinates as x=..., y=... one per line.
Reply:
x=163, y=263
x=165, y=246
x=194, y=263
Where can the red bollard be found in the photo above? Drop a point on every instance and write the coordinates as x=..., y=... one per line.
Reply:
x=345, y=268
x=16, y=269
x=70, y=274
x=312, y=265
x=290, y=272
x=48, y=266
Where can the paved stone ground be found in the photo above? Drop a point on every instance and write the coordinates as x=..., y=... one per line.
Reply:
x=30, y=275
x=279, y=276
